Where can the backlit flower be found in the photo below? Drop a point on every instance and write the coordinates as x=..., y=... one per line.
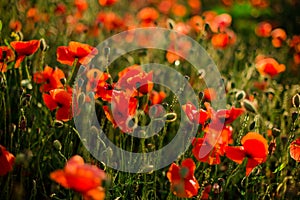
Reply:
x=263, y=29
x=6, y=161
x=83, y=178
x=50, y=79
x=83, y=52
x=147, y=16
x=254, y=148
x=107, y=2
x=24, y=49
x=269, y=66
x=6, y=55
x=182, y=179
x=295, y=149
x=61, y=100
x=278, y=37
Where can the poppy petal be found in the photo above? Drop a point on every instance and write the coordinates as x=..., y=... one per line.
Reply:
x=49, y=102
x=236, y=154
x=255, y=145
x=295, y=150
x=59, y=177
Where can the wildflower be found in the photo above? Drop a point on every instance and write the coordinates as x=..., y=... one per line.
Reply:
x=263, y=29
x=6, y=55
x=61, y=99
x=220, y=40
x=179, y=10
x=83, y=178
x=50, y=79
x=110, y=21
x=278, y=37
x=24, y=49
x=194, y=115
x=195, y=5
x=122, y=111
x=254, y=147
x=83, y=52
x=209, y=94
x=220, y=23
x=157, y=97
x=15, y=25
x=81, y=5
x=269, y=66
x=6, y=161
x=295, y=150
x=197, y=23
x=147, y=16
x=134, y=79
x=107, y=2
x=182, y=179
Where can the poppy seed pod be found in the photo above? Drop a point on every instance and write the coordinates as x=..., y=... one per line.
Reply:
x=249, y=106
x=240, y=95
x=57, y=145
x=43, y=45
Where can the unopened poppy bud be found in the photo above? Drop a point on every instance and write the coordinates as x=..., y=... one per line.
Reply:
x=57, y=145
x=252, y=125
x=240, y=95
x=275, y=132
x=296, y=101
x=201, y=95
x=170, y=24
x=58, y=123
x=249, y=106
x=294, y=116
x=187, y=77
x=43, y=45
x=63, y=81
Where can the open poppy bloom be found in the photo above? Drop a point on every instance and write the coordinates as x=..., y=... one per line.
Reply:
x=182, y=179
x=254, y=147
x=97, y=83
x=134, y=79
x=83, y=178
x=263, y=29
x=83, y=52
x=24, y=49
x=269, y=66
x=220, y=23
x=110, y=21
x=6, y=55
x=107, y=2
x=295, y=149
x=147, y=16
x=50, y=79
x=196, y=116
x=122, y=111
x=61, y=99
x=6, y=161
x=197, y=24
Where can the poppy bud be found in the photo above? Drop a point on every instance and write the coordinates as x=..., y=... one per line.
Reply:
x=43, y=45
x=201, y=73
x=201, y=95
x=296, y=101
x=275, y=132
x=170, y=24
x=249, y=106
x=57, y=145
x=240, y=95
x=58, y=123
x=252, y=125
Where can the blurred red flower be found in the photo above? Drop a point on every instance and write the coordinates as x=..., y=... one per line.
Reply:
x=182, y=179
x=295, y=149
x=61, y=99
x=6, y=55
x=83, y=178
x=254, y=147
x=147, y=16
x=263, y=29
x=278, y=37
x=196, y=116
x=50, y=79
x=107, y=2
x=6, y=161
x=268, y=66
x=83, y=52
x=24, y=49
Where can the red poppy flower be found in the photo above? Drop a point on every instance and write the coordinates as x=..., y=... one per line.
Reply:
x=195, y=5
x=263, y=29
x=83, y=52
x=197, y=24
x=194, y=115
x=254, y=147
x=220, y=22
x=24, y=49
x=97, y=83
x=110, y=21
x=220, y=40
x=178, y=50
x=6, y=161
x=295, y=149
x=81, y=5
x=147, y=16
x=210, y=94
x=157, y=97
x=269, y=66
x=179, y=10
x=6, y=55
x=278, y=37
x=229, y=115
x=15, y=25
x=83, y=178
x=61, y=99
x=107, y=2
x=123, y=109
x=182, y=179
x=50, y=79
x=134, y=79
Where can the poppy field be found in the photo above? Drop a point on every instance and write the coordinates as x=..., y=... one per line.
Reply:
x=149, y=99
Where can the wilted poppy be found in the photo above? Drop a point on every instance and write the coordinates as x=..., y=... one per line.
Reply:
x=295, y=149
x=6, y=161
x=50, y=79
x=135, y=79
x=24, y=49
x=83, y=52
x=61, y=99
x=263, y=29
x=83, y=178
x=6, y=55
x=254, y=147
x=182, y=179
x=269, y=66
